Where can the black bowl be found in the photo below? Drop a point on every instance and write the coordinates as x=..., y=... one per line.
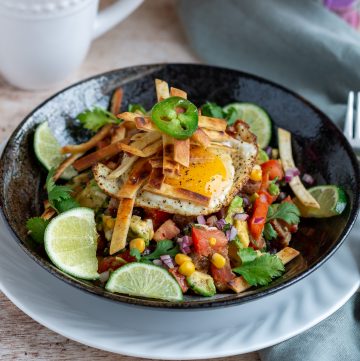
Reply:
x=319, y=149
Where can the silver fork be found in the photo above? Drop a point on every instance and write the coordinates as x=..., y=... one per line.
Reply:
x=351, y=130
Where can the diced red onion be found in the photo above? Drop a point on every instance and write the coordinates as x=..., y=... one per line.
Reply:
x=307, y=178
x=231, y=233
x=246, y=201
x=241, y=216
x=201, y=219
x=103, y=277
x=268, y=151
x=220, y=224
x=291, y=173
x=184, y=244
x=158, y=262
x=167, y=260
x=211, y=221
x=258, y=220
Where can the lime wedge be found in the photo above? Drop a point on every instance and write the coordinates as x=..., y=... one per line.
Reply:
x=332, y=200
x=145, y=280
x=71, y=242
x=257, y=118
x=47, y=150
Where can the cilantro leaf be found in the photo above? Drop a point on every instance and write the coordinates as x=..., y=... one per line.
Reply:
x=59, y=196
x=269, y=232
x=96, y=118
x=247, y=254
x=261, y=270
x=162, y=247
x=231, y=116
x=136, y=108
x=37, y=226
x=135, y=253
x=212, y=110
x=286, y=211
x=66, y=204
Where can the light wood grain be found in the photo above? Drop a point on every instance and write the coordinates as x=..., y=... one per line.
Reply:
x=152, y=34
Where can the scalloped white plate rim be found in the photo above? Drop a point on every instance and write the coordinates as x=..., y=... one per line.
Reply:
x=295, y=327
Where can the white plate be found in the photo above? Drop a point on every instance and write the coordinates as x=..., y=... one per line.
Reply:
x=171, y=334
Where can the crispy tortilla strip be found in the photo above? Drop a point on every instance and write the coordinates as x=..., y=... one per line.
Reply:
x=92, y=158
x=212, y=123
x=122, y=224
x=216, y=135
x=49, y=212
x=286, y=255
x=156, y=162
x=149, y=150
x=142, y=140
x=127, y=161
x=137, y=177
x=222, y=146
x=201, y=138
x=65, y=164
x=287, y=161
x=118, y=134
x=171, y=168
x=179, y=193
x=109, y=186
x=156, y=178
x=175, y=92
x=141, y=123
x=182, y=152
x=162, y=89
x=84, y=147
x=116, y=101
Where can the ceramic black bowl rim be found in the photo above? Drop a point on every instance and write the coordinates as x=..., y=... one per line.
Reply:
x=230, y=300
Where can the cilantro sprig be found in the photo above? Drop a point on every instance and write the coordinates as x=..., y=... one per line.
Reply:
x=261, y=270
x=136, y=108
x=162, y=247
x=96, y=118
x=286, y=211
x=257, y=268
x=59, y=198
x=37, y=226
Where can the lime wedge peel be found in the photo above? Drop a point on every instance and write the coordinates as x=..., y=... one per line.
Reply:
x=257, y=118
x=332, y=200
x=144, y=280
x=47, y=150
x=71, y=243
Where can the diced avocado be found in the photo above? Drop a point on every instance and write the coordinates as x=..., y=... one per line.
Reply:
x=242, y=232
x=92, y=196
x=141, y=229
x=202, y=284
x=235, y=207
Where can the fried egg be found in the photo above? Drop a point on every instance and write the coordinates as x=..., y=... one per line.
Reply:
x=217, y=174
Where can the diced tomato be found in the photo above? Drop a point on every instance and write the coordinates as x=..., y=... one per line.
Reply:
x=264, y=182
x=258, y=218
x=287, y=199
x=201, y=236
x=273, y=168
x=181, y=279
x=157, y=217
x=106, y=263
x=222, y=276
x=167, y=230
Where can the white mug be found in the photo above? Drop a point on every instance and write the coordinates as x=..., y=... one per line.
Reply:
x=43, y=41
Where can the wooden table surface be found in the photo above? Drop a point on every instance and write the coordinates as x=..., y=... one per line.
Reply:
x=152, y=34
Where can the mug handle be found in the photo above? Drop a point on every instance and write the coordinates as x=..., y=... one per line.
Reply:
x=113, y=14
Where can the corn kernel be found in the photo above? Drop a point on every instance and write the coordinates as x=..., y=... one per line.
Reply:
x=110, y=223
x=138, y=243
x=253, y=197
x=180, y=258
x=256, y=173
x=212, y=241
x=187, y=268
x=218, y=260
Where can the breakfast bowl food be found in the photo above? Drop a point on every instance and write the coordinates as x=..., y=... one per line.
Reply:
x=179, y=186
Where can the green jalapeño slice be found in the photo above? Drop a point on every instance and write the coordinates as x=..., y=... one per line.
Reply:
x=176, y=117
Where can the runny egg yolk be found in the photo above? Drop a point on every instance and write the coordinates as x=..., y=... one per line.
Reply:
x=203, y=175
